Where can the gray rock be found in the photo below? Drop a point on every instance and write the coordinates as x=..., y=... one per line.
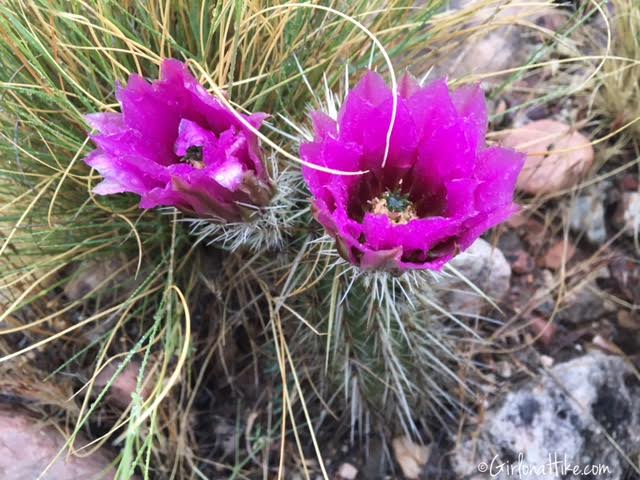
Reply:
x=566, y=416
x=587, y=214
x=504, y=45
x=483, y=265
x=585, y=303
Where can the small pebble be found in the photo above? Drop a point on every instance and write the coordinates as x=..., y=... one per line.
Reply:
x=347, y=472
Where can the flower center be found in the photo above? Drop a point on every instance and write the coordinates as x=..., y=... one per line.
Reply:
x=395, y=205
x=193, y=157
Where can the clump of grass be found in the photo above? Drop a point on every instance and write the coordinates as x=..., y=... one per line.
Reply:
x=618, y=93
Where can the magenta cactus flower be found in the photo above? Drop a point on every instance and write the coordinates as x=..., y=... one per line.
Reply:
x=440, y=188
x=176, y=145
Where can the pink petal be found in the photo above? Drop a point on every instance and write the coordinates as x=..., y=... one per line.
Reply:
x=471, y=106
x=324, y=125
x=407, y=86
x=190, y=134
x=460, y=198
x=229, y=174
x=106, y=123
x=333, y=154
x=498, y=169
x=124, y=174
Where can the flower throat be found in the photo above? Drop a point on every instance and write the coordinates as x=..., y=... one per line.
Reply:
x=395, y=205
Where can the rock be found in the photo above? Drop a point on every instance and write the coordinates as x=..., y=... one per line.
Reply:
x=560, y=414
x=626, y=332
x=95, y=274
x=522, y=263
x=546, y=361
x=535, y=233
x=557, y=156
x=497, y=44
x=543, y=301
x=518, y=220
x=628, y=320
x=410, y=456
x=483, y=265
x=544, y=330
x=347, y=472
x=584, y=303
x=123, y=386
x=629, y=182
x=494, y=51
x=625, y=272
x=559, y=254
x=491, y=53
x=225, y=435
x=27, y=446
x=587, y=214
x=513, y=250
x=631, y=212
